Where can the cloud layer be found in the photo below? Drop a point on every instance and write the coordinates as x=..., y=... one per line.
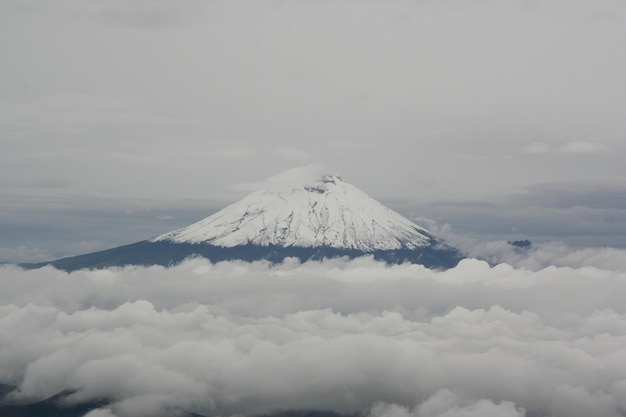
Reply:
x=400, y=341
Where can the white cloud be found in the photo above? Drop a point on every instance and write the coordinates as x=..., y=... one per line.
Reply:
x=288, y=179
x=445, y=403
x=582, y=147
x=237, y=338
x=575, y=147
x=101, y=412
x=538, y=148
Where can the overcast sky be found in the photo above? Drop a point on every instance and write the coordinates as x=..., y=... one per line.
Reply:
x=120, y=120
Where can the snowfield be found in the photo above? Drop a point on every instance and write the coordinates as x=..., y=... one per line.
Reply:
x=327, y=212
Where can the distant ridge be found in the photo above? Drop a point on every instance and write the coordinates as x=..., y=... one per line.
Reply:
x=321, y=218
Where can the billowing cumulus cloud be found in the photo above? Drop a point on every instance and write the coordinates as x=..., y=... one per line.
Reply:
x=391, y=341
x=445, y=403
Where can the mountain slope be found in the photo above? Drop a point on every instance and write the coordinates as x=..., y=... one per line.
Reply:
x=147, y=253
x=329, y=212
x=323, y=218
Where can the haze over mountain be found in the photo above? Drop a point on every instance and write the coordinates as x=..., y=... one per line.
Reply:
x=324, y=217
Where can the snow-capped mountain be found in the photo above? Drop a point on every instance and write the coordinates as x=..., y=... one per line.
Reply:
x=321, y=218
x=327, y=212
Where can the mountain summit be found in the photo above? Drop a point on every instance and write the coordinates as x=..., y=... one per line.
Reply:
x=321, y=218
x=327, y=212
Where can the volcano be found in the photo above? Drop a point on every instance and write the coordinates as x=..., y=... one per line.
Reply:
x=322, y=218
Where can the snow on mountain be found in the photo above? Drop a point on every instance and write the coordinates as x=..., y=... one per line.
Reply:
x=325, y=212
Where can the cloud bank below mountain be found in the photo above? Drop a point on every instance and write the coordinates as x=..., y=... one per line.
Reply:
x=400, y=341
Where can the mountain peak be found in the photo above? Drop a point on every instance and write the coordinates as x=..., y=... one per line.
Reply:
x=331, y=178
x=320, y=184
x=324, y=212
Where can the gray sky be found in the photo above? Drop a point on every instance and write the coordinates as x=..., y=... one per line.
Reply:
x=123, y=119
